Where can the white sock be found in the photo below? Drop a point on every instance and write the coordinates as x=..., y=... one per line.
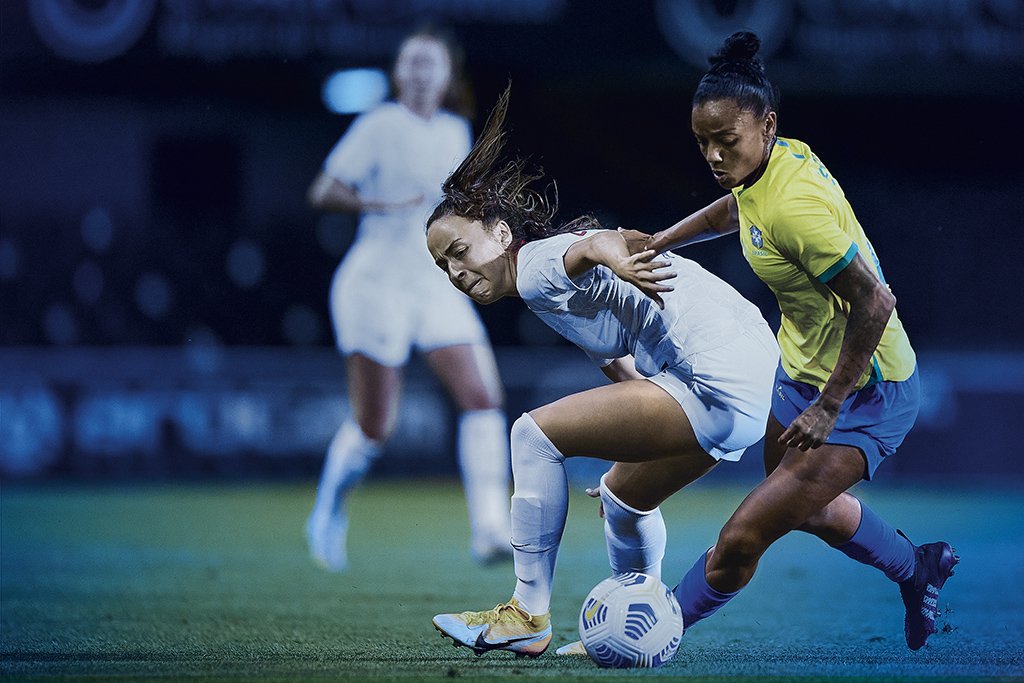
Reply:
x=636, y=539
x=484, y=462
x=540, y=504
x=348, y=458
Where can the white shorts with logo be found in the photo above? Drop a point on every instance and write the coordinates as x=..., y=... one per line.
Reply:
x=727, y=395
x=383, y=310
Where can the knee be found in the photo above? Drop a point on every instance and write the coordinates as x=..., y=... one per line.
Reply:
x=528, y=440
x=738, y=546
x=376, y=427
x=480, y=400
x=524, y=430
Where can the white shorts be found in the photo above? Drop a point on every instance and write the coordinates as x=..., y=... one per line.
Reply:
x=384, y=312
x=727, y=396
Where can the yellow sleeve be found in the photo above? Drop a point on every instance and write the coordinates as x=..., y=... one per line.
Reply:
x=805, y=230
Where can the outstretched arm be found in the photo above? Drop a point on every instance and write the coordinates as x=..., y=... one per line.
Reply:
x=871, y=306
x=608, y=248
x=721, y=217
x=330, y=194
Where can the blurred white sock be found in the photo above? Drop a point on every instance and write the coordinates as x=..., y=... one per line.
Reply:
x=349, y=456
x=483, y=454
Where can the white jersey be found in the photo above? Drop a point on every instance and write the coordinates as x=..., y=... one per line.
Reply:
x=390, y=154
x=609, y=318
x=388, y=297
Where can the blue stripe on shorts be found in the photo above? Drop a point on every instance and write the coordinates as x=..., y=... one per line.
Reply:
x=874, y=420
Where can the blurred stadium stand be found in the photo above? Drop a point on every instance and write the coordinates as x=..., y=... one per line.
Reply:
x=207, y=410
x=163, y=287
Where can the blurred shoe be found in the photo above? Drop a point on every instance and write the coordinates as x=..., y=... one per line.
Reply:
x=935, y=562
x=491, y=552
x=506, y=627
x=575, y=648
x=326, y=536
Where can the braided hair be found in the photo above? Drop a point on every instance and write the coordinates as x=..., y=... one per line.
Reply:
x=488, y=188
x=736, y=73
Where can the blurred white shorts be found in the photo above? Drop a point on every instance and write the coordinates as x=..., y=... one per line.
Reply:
x=727, y=392
x=385, y=315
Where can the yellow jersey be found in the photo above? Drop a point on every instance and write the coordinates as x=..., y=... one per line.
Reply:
x=798, y=231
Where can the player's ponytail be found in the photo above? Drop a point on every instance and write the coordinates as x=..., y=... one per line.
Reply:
x=487, y=188
x=737, y=73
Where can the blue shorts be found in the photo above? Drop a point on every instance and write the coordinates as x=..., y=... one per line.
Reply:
x=874, y=420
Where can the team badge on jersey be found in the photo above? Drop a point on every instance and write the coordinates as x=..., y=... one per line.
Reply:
x=756, y=238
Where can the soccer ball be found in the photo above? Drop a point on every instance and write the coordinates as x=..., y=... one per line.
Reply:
x=631, y=620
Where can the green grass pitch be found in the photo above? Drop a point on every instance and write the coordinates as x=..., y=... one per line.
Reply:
x=213, y=582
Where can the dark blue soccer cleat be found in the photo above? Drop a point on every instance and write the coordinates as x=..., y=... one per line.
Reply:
x=935, y=562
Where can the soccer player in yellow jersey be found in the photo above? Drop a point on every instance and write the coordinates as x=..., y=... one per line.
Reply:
x=846, y=390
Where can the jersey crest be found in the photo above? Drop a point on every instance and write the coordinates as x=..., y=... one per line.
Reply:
x=756, y=237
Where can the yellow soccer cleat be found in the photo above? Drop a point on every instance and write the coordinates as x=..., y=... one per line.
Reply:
x=506, y=627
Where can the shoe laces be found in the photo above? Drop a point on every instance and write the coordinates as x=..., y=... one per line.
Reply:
x=509, y=612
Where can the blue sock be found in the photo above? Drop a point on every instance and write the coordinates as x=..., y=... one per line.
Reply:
x=696, y=598
x=877, y=544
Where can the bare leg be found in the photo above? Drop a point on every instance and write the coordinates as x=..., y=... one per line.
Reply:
x=374, y=391
x=647, y=485
x=592, y=423
x=599, y=423
x=836, y=522
x=806, y=490
x=470, y=374
x=801, y=487
x=849, y=526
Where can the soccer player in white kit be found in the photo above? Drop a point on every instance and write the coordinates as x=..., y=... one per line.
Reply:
x=387, y=299
x=692, y=364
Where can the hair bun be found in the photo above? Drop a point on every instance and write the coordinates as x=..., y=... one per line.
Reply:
x=742, y=45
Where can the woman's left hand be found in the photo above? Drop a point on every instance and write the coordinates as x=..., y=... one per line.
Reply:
x=646, y=274
x=810, y=428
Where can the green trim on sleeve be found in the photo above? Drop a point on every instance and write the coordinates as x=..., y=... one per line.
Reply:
x=840, y=264
x=876, y=373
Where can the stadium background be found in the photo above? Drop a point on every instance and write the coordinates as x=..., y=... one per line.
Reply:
x=168, y=382
x=163, y=285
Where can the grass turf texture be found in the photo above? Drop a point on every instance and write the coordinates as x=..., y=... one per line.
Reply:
x=213, y=582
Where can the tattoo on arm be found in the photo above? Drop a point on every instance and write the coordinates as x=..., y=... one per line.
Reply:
x=871, y=305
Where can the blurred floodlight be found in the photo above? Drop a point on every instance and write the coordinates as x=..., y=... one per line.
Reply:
x=97, y=229
x=31, y=433
x=352, y=91
x=245, y=264
x=8, y=259
x=153, y=295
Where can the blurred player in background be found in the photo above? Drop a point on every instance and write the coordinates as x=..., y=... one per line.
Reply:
x=846, y=390
x=691, y=365
x=387, y=298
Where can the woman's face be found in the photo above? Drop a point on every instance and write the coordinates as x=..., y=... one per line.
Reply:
x=423, y=70
x=734, y=142
x=474, y=258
